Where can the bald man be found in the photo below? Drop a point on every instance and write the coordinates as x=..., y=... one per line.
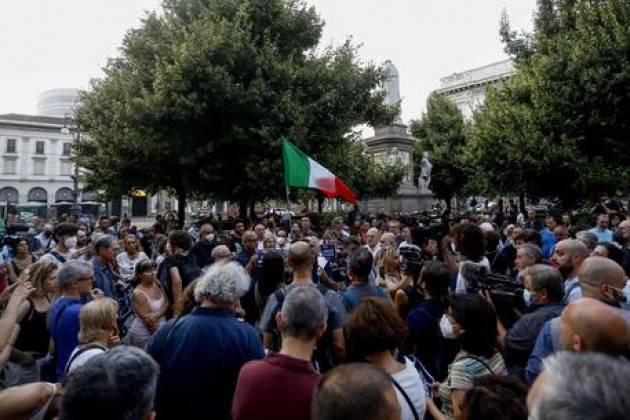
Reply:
x=589, y=325
x=601, y=279
x=567, y=257
x=331, y=348
x=221, y=254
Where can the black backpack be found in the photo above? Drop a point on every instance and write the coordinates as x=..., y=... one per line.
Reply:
x=188, y=271
x=324, y=345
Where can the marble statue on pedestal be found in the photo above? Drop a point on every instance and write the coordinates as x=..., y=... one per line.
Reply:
x=392, y=87
x=425, y=173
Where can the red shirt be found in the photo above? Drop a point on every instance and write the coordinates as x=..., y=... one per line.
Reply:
x=279, y=387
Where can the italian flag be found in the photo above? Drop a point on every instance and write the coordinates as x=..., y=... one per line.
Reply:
x=302, y=171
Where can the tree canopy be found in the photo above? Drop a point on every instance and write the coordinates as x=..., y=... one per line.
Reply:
x=202, y=93
x=559, y=129
x=441, y=131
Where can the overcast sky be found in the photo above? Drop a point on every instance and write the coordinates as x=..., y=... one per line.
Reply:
x=48, y=44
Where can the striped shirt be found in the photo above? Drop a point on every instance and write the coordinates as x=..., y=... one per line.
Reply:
x=462, y=373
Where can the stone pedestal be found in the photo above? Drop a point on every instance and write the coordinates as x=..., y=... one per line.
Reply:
x=386, y=141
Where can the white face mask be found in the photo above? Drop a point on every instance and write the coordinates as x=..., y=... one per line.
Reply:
x=527, y=297
x=446, y=327
x=210, y=237
x=70, y=242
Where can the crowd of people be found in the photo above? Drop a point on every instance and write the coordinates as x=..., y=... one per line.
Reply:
x=498, y=315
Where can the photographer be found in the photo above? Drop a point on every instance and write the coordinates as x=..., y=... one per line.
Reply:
x=543, y=296
x=470, y=243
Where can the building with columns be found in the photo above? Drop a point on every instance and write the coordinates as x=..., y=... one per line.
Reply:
x=35, y=166
x=467, y=89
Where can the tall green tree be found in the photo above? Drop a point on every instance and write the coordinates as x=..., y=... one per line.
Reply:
x=565, y=116
x=202, y=93
x=442, y=132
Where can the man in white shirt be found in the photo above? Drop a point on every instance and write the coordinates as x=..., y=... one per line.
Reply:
x=65, y=243
x=373, y=236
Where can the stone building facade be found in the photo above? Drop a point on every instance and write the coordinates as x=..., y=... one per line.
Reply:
x=467, y=89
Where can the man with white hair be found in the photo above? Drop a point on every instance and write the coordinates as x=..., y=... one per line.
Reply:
x=581, y=386
x=373, y=237
x=124, y=379
x=302, y=321
x=201, y=354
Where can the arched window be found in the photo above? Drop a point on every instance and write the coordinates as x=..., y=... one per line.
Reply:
x=37, y=194
x=64, y=194
x=9, y=194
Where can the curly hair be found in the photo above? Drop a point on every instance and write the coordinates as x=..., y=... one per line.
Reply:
x=38, y=273
x=372, y=327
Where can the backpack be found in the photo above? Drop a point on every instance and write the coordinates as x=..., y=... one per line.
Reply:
x=324, y=343
x=188, y=271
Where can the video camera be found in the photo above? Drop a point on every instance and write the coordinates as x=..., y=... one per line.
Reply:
x=506, y=293
x=411, y=257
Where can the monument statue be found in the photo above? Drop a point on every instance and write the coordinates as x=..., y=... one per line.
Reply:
x=392, y=87
x=425, y=173
x=394, y=157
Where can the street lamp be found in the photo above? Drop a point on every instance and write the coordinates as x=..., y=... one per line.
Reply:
x=67, y=130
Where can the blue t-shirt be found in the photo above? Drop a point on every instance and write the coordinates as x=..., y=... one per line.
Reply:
x=200, y=356
x=353, y=296
x=64, y=330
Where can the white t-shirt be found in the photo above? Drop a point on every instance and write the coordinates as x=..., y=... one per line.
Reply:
x=409, y=379
x=50, y=258
x=127, y=266
x=81, y=359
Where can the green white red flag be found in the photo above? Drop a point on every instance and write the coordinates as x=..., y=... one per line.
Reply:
x=303, y=172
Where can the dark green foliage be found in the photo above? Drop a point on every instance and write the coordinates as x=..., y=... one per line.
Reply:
x=561, y=128
x=203, y=92
x=442, y=133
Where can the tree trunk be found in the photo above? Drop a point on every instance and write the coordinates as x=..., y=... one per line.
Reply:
x=252, y=210
x=181, y=207
x=521, y=202
x=320, y=204
x=242, y=209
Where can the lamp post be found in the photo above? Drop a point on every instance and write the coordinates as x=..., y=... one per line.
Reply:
x=67, y=130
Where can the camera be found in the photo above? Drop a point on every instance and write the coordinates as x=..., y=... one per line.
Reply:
x=411, y=257
x=506, y=293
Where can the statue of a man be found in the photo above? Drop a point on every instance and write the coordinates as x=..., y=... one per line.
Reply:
x=425, y=172
x=392, y=86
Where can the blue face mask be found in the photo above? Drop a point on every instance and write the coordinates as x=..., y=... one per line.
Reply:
x=527, y=297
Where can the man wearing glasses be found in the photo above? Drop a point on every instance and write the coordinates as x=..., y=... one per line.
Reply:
x=75, y=280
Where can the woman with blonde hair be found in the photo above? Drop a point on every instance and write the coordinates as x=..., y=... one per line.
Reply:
x=34, y=337
x=33, y=340
x=98, y=331
x=130, y=257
